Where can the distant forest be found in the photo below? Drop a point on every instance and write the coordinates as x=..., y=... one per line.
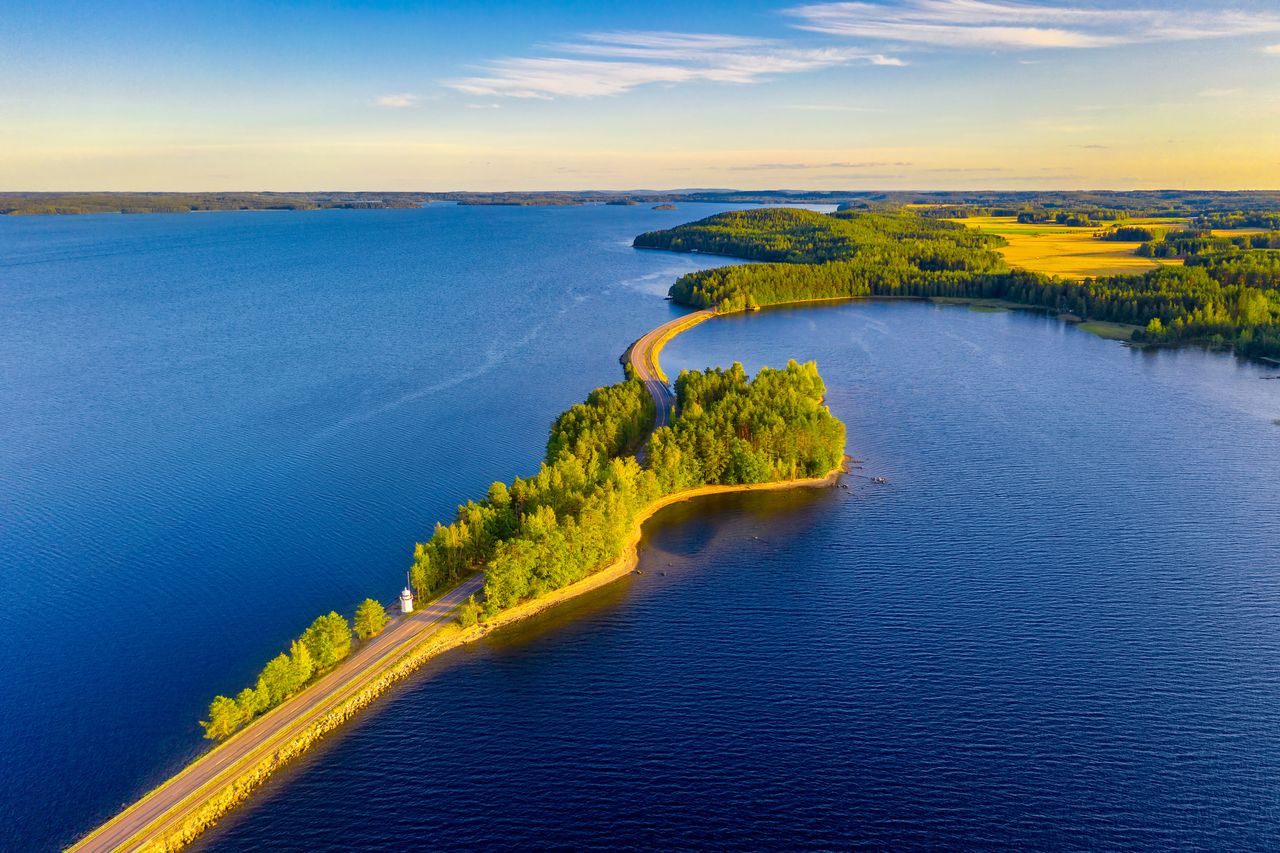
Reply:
x=1227, y=294
x=1239, y=207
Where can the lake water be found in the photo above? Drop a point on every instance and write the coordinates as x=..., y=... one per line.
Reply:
x=1057, y=626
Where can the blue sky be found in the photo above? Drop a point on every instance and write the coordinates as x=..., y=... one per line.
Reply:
x=437, y=96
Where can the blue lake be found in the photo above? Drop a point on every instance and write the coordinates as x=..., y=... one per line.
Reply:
x=1058, y=625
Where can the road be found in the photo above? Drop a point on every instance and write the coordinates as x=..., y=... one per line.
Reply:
x=149, y=819
x=158, y=813
x=644, y=362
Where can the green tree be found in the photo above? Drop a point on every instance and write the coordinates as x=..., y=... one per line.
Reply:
x=1252, y=308
x=225, y=716
x=328, y=639
x=469, y=613
x=251, y=703
x=371, y=618
x=275, y=680
x=301, y=662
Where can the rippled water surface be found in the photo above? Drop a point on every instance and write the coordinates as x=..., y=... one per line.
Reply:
x=214, y=427
x=1057, y=627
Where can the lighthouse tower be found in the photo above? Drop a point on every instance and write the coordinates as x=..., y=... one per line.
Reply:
x=406, y=598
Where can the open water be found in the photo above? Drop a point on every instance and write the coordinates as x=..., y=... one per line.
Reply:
x=1057, y=626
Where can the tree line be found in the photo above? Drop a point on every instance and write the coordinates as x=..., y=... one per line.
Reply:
x=1268, y=220
x=1129, y=234
x=1182, y=244
x=325, y=644
x=1072, y=218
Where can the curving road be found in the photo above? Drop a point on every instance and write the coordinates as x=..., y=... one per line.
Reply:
x=643, y=357
x=147, y=821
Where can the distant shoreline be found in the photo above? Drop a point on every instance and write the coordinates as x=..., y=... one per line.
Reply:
x=33, y=203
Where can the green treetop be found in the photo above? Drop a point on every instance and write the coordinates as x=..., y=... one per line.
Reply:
x=328, y=639
x=371, y=618
x=225, y=716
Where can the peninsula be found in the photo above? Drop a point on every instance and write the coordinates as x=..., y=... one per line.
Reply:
x=573, y=527
x=1226, y=294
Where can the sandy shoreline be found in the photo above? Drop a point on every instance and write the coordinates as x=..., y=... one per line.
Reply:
x=630, y=557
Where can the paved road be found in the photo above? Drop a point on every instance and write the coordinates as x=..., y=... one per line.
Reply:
x=645, y=364
x=148, y=819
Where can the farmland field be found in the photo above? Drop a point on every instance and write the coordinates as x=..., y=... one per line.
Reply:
x=1067, y=251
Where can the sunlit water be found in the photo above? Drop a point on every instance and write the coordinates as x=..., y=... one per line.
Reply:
x=1057, y=626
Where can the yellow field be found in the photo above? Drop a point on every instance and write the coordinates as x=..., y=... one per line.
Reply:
x=1066, y=251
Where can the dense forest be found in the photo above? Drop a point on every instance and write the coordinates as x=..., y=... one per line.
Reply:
x=1229, y=298
x=805, y=236
x=547, y=531
x=554, y=528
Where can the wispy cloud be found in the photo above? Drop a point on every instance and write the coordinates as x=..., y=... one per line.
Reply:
x=1273, y=49
x=397, y=101
x=1022, y=25
x=611, y=63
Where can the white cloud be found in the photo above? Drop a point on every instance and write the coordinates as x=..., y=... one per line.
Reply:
x=657, y=45
x=396, y=101
x=1273, y=49
x=611, y=63
x=1022, y=25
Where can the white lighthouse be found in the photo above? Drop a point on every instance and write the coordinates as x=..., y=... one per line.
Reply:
x=406, y=598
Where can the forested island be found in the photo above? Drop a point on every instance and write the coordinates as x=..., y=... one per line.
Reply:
x=542, y=533
x=1227, y=294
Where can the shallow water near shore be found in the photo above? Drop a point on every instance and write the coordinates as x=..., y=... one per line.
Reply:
x=1057, y=626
